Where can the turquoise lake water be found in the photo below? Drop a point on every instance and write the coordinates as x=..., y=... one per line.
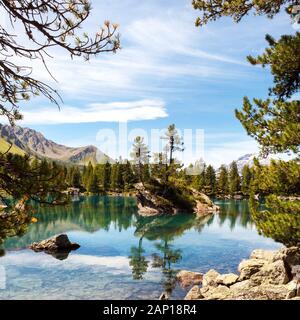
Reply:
x=123, y=255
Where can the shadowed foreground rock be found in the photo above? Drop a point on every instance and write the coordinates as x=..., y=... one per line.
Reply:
x=54, y=245
x=267, y=275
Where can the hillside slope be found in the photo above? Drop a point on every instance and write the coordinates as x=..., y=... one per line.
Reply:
x=32, y=142
x=4, y=147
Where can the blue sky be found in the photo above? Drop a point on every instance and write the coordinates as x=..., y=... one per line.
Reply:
x=168, y=71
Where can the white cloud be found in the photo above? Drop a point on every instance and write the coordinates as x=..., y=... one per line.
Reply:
x=155, y=47
x=98, y=112
x=224, y=153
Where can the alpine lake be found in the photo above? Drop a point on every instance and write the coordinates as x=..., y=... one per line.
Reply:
x=124, y=255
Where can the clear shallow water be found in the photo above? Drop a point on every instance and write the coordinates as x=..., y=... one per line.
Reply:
x=122, y=255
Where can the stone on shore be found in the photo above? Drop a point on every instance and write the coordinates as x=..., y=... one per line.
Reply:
x=260, y=254
x=215, y=293
x=188, y=278
x=194, y=294
x=249, y=267
x=227, y=279
x=272, y=273
x=267, y=275
x=210, y=278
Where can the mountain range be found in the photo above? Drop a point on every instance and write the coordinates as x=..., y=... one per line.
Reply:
x=248, y=159
x=28, y=141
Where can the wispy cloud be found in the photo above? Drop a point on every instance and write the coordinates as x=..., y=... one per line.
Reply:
x=225, y=152
x=98, y=112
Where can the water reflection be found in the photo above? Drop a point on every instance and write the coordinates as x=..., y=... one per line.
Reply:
x=165, y=260
x=229, y=211
x=138, y=262
x=129, y=256
x=88, y=214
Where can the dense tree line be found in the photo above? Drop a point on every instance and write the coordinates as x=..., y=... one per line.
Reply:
x=279, y=177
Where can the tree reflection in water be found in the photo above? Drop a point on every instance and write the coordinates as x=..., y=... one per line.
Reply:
x=138, y=262
x=164, y=261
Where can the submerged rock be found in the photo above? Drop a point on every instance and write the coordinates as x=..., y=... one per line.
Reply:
x=164, y=296
x=267, y=275
x=188, y=278
x=56, y=244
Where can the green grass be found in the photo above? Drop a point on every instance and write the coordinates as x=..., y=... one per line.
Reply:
x=4, y=146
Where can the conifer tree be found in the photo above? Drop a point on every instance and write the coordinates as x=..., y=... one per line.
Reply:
x=106, y=179
x=210, y=180
x=174, y=143
x=76, y=178
x=222, y=181
x=128, y=176
x=93, y=186
x=234, y=179
x=246, y=180
x=140, y=155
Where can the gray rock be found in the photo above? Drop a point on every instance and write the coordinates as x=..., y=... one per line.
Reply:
x=58, y=243
x=248, y=267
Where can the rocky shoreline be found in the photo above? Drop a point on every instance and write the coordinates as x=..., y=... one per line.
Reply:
x=266, y=275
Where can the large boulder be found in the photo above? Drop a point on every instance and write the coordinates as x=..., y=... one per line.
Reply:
x=188, y=278
x=210, y=278
x=194, y=294
x=262, y=292
x=260, y=254
x=290, y=256
x=271, y=273
x=59, y=243
x=227, y=279
x=215, y=293
x=248, y=267
x=204, y=206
